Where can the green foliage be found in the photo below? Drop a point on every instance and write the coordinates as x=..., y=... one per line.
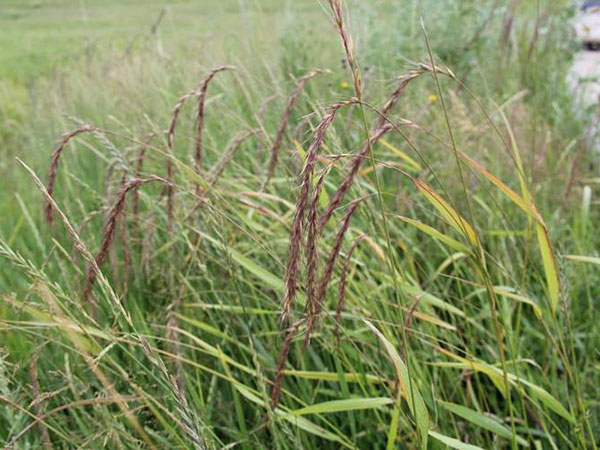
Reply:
x=473, y=326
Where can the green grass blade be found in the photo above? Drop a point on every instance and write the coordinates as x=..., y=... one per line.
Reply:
x=481, y=420
x=453, y=443
x=342, y=405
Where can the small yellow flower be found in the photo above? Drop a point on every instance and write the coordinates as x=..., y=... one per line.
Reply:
x=344, y=85
x=432, y=98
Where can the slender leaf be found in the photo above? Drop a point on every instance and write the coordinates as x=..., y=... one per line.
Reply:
x=408, y=387
x=343, y=405
x=481, y=420
x=453, y=443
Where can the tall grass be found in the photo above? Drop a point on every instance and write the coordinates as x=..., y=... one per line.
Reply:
x=391, y=254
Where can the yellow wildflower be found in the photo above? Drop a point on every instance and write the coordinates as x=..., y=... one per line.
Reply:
x=432, y=98
x=344, y=85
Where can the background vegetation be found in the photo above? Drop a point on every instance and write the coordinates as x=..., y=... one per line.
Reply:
x=449, y=301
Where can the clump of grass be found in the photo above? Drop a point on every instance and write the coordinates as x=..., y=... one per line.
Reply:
x=431, y=297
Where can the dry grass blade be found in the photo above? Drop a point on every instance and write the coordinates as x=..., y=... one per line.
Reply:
x=93, y=366
x=54, y=164
x=274, y=154
x=583, y=258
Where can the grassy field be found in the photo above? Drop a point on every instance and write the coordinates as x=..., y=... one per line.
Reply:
x=39, y=37
x=262, y=224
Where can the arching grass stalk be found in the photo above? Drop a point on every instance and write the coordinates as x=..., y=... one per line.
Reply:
x=336, y=8
x=479, y=260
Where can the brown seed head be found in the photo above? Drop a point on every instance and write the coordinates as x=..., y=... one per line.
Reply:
x=54, y=164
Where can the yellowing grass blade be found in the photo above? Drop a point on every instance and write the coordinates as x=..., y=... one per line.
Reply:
x=434, y=320
x=547, y=255
x=549, y=265
x=496, y=375
x=334, y=376
x=517, y=156
x=509, y=293
x=525, y=203
x=447, y=262
x=584, y=259
x=300, y=150
x=526, y=206
x=452, y=243
x=235, y=309
x=407, y=388
x=448, y=213
x=352, y=404
x=411, y=162
x=375, y=247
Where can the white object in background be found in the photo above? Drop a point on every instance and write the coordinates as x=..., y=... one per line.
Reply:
x=587, y=25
